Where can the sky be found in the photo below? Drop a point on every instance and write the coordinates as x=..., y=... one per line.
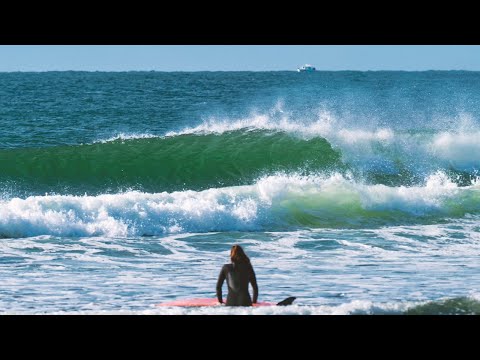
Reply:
x=237, y=57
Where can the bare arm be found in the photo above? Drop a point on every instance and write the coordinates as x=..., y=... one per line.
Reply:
x=221, y=279
x=253, y=281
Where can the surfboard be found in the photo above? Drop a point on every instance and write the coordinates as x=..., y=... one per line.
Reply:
x=214, y=302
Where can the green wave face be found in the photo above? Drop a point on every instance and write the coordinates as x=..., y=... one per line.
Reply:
x=193, y=162
x=455, y=306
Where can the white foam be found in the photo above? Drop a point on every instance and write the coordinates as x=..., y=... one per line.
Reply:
x=272, y=201
x=357, y=307
x=125, y=136
x=460, y=150
x=417, y=200
x=326, y=125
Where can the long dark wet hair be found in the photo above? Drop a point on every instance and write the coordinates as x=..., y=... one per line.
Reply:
x=237, y=255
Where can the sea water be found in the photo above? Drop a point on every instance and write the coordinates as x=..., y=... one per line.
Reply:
x=356, y=192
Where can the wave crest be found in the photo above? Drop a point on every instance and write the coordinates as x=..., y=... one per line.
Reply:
x=273, y=203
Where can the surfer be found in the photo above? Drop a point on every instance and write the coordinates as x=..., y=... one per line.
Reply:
x=238, y=274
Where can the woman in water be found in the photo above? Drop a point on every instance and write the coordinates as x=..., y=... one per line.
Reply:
x=238, y=274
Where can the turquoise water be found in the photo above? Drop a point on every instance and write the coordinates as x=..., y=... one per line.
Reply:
x=356, y=192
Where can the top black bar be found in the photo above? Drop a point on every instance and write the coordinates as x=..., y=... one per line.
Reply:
x=238, y=23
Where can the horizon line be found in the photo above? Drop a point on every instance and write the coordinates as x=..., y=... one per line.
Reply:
x=194, y=71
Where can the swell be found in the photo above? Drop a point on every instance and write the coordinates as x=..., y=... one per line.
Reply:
x=391, y=155
x=173, y=163
x=220, y=154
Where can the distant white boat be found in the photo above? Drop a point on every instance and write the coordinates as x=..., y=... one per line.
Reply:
x=306, y=68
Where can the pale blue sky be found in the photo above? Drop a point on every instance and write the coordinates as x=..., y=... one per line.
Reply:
x=237, y=57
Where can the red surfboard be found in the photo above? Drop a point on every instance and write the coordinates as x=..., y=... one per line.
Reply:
x=214, y=302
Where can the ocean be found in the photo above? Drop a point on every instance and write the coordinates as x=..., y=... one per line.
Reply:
x=356, y=192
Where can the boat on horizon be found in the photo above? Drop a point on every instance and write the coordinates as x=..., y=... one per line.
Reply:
x=306, y=68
